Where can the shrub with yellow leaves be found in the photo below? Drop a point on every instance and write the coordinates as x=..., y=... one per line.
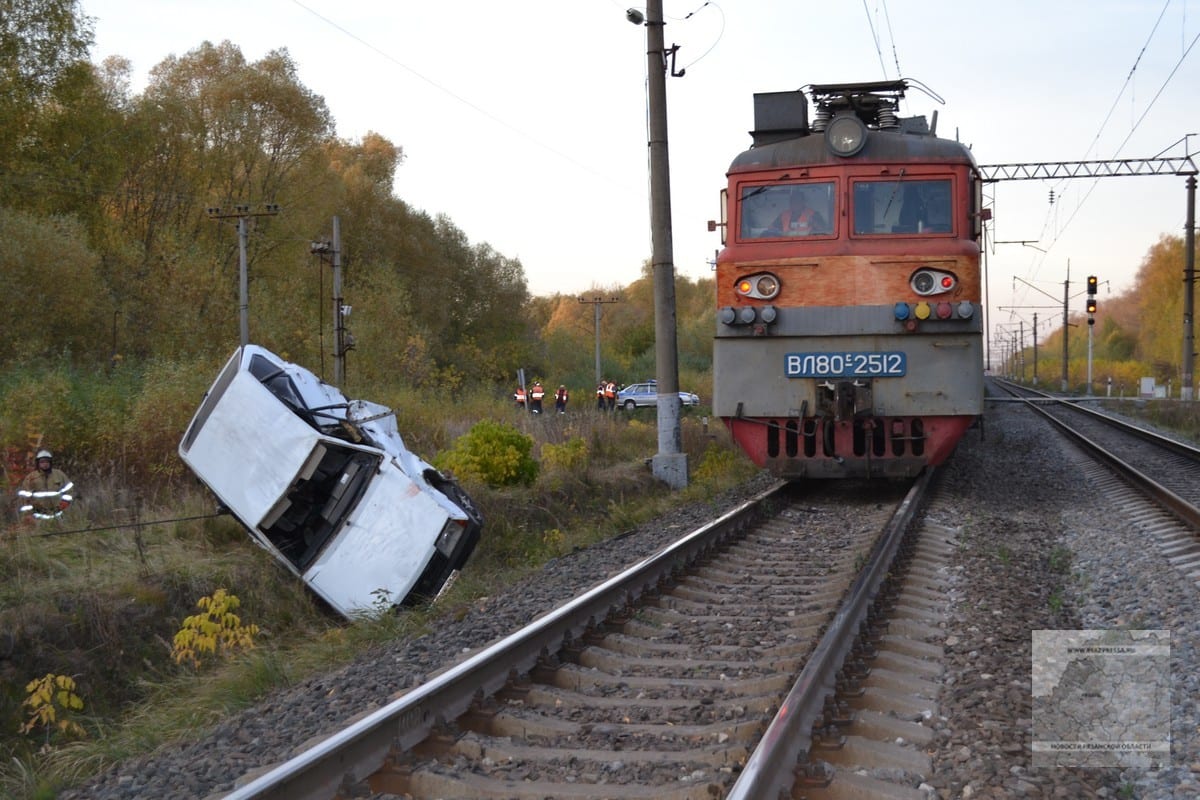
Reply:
x=51, y=701
x=216, y=630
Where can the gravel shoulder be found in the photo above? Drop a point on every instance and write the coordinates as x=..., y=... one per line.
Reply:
x=1044, y=549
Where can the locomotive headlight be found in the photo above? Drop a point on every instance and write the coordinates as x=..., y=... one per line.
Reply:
x=845, y=135
x=763, y=286
x=926, y=282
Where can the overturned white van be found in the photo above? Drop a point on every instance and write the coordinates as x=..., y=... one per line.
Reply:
x=327, y=486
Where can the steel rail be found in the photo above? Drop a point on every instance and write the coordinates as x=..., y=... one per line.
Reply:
x=1181, y=508
x=361, y=749
x=770, y=771
x=1180, y=448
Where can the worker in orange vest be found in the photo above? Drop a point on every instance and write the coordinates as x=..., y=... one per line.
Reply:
x=519, y=396
x=536, y=393
x=610, y=395
x=560, y=399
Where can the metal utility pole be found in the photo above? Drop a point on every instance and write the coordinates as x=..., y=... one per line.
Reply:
x=1065, y=312
x=339, y=310
x=1021, y=349
x=1035, y=353
x=670, y=463
x=1092, y=286
x=243, y=214
x=1066, y=325
x=596, y=302
x=1189, y=278
x=1088, y=389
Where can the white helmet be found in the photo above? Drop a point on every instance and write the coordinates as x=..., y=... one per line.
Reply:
x=44, y=454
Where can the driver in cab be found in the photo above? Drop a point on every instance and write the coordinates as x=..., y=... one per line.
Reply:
x=800, y=218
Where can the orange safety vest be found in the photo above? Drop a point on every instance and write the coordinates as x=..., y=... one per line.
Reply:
x=520, y=395
x=610, y=389
x=802, y=223
x=538, y=393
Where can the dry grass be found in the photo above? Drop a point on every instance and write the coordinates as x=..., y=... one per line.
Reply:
x=1172, y=415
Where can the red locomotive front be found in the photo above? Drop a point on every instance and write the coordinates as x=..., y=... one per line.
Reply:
x=849, y=300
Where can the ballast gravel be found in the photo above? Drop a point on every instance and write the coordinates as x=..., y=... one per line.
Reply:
x=1044, y=548
x=1040, y=549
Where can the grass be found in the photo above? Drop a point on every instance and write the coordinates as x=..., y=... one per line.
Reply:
x=1056, y=601
x=1060, y=560
x=1173, y=415
x=103, y=605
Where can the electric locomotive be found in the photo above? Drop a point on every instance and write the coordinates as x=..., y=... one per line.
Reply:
x=849, y=319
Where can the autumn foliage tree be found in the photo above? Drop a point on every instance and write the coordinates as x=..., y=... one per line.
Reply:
x=1137, y=333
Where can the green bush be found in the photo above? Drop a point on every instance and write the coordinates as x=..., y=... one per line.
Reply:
x=491, y=453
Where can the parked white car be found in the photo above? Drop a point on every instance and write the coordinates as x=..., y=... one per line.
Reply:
x=326, y=485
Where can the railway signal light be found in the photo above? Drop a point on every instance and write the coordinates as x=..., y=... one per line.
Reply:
x=1091, y=300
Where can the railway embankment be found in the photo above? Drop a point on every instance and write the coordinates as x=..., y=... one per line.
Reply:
x=1038, y=546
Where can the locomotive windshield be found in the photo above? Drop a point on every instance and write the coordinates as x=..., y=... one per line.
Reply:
x=902, y=206
x=787, y=209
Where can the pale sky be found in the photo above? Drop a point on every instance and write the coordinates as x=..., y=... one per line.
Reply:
x=526, y=123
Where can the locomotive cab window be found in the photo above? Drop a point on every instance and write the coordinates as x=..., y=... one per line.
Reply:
x=902, y=206
x=783, y=210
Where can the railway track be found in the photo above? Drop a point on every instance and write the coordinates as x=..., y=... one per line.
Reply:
x=1163, y=469
x=660, y=682
x=878, y=734
x=1156, y=479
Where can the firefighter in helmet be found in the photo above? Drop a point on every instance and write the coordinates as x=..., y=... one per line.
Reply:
x=46, y=492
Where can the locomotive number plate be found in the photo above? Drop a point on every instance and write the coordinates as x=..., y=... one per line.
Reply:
x=845, y=365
